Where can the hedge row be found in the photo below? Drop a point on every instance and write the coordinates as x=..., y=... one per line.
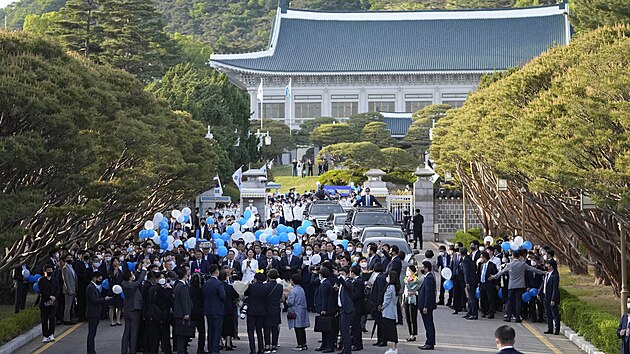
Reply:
x=16, y=324
x=596, y=326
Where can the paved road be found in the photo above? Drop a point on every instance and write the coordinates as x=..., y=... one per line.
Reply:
x=454, y=335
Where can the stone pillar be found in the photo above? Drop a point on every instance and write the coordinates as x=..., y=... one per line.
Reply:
x=423, y=200
x=378, y=188
x=253, y=191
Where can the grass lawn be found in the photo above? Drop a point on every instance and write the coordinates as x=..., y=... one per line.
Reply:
x=583, y=286
x=282, y=170
x=300, y=184
x=6, y=310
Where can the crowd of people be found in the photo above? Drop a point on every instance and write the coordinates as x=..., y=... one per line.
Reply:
x=169, y=297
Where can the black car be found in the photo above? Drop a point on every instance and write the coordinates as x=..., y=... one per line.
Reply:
x=318, y=211
x=361, y=217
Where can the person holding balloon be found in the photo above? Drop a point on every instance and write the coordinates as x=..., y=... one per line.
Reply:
x=20, y=276
x=115, y=277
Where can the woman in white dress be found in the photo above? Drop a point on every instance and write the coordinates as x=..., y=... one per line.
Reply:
x=249, y=267
x=300, y=167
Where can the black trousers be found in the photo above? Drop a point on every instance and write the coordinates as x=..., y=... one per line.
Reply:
x=553, y=316
x=515, y=303
x=458, y=294
x=357, y=334
x=411, y=315
x=47, y=314
x=92, y=327
x=300, y=336
x=380, y=338
x=200, y=322
x=443, y=292
x=473, y=305
x=82, y=301
x=417, y=238
x=255, y=324
x=488, y=294
x=536, y=309
x=271, y=334
x=21, y=289
x=345, y=322
x=429, y=327
x=159, y=332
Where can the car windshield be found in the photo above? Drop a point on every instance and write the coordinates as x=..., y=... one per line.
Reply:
x=401, y=243
x=326, y=209
x=383, y=233
x=373, y=219
x=340, y=220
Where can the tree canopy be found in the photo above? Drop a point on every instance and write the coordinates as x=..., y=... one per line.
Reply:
x=417, y=139
x=377, y=132
x=352, y=155
x=280, y=138
x=358, y=121
x=328, y=134
x=302, y=136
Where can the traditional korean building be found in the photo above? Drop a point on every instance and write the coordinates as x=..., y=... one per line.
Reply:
x=344, y=63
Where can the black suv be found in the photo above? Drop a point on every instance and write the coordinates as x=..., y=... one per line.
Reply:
x=361, y=217
x=318, y=211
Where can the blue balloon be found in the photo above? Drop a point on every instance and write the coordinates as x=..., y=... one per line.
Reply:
x=290, y=230
x=164, y=232
x=163, y=238
x=301, y=230
x=297, y=249
x=358, y=197
x=448, y=285
x=505, y=246
x=225, y=237
x=186, y=218
x=281, y=229
x=163, y=224
x=150, y=233
x=344, y=243
x=122, y=295
x=306, y=223
x=37, y=276
x=478, y=294
x=131, y=266
x=527, y=245
x=210, y=221
x=501, y=293
x=217, y=236
x=36, y=287
x=31, y=279
x=284, y=237
x=142, y=234
x=222, y=251
x=230, y=230
x=242, y=221
x=526, y=297
x=274, y=240
x=105, y=284
x=164, y=245
x=257, y=234
x=247, y=214
x=219, y=242
x=533, y=292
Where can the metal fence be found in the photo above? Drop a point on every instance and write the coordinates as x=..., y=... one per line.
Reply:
x=397, y=204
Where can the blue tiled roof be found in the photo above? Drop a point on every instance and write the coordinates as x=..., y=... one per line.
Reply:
x=438, y=45
x=397, y=126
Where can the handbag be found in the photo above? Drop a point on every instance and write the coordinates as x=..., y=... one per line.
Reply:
x=185, y=328
x=323, y=323
x=291, y=315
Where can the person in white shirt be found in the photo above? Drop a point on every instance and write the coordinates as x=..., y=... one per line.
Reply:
x=249, y=267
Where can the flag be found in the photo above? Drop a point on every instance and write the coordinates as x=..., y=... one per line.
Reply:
x=263, y=169
x=237, y=177
x=218, y=188
x=259, y=93
x=287, y=90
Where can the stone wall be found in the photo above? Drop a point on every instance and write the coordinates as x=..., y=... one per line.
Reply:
x=449, y=215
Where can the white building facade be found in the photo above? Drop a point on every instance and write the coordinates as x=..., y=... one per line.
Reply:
x=341, y=64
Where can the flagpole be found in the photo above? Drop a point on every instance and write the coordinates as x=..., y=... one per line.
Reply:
x=290, y=107
x=262, y=105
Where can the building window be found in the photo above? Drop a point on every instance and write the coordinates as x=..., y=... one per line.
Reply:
x=362, y=80
x=343, y=109
x=308, y=109
x=381, y=106
x=454, y=104
x=414, y=106
x=273, y=110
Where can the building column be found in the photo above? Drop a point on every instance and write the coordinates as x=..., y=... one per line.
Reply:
x=423, y=200
x=400, y=100
x=253, y=104
x=363, y=102
x=325, y=103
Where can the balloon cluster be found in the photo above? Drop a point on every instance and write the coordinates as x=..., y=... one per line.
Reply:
x=517, y=244
x=157, y=229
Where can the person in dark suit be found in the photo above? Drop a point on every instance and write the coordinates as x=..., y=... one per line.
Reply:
x=84, y=276
x=233, y=264
x=487, y=287
x=199, y=265
x=182, y=306
x=196, y=296
x=230, y=326
x=272, y=311
x=257, y=292
x=93, y=313
x=329, y=253
x=21, y=286
x=444, y=261
x=358, y=293
x=48, y=299
x=368, y=200
x=471, y=280
x=326, y=307
x=289, y=264
x=214, y=307
x=395, y=264
x=269, y=262
x=203, y=231
x=378, y=294
x=623, y=331
x=133, y=310
x=418, y=220
x=372, y=258
x=458, y=282
x=551, y=295
x=426, y=302
x=475, y=253
x=346, y=308
x=406, y=224
x=504, y=338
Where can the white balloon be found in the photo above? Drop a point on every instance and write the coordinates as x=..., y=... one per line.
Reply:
x=116, y=289
x=170, y=247
x=170, y=239
x=148, y=225
x=316, y=259
x=488, y=239
x=263, y=238
x=156, y=240
x=336, y=242
x=236, y=236
x=292, y=237
x=26, y=273
x=175, y=213
x=310, y=230
x=159, y=217
x=514, y=246
x=518, y=240
x=331, y=235
x=180, y=218
x=177, y=243
x=249, y=237
x=191, y=242
x=250, y=223
x=186, y=211
x=446, y=273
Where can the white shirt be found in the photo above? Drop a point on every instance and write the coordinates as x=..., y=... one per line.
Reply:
x=249, y=271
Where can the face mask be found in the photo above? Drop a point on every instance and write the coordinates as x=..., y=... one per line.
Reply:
x=149, y=250
x=533, y=264
x=121, y=258
x=98, y=282
x=441, y=253
x=472, y=248
x=162, y=281
x=628, y=305
x=96, y=264
x=409, y=273
x=57, y=255
x=157, y=263
x=308, y=252
x=288, y=252
x=423, y=271
x=350, y=249
x=86, y=258
x=171, y=282
x=108, y=259
x=281, y=247
x=387, y=280
x=481, y=248
x=359, y=249
x=364, y=265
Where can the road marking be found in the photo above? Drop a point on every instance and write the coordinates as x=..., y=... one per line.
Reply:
x=437, y=247
x=470, y=348
x=62, y=336
x=540, y=337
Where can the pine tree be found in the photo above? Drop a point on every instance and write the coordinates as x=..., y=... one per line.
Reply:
x=78, y=28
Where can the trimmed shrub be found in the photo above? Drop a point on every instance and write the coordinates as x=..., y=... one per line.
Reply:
x=464, y=237
x=596, y=326
x=16, y=324
x=400, y=178
x=342, y=177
